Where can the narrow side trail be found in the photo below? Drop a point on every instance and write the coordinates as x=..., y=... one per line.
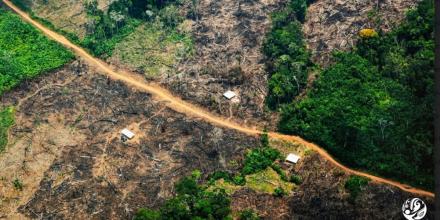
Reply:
x=184, y=107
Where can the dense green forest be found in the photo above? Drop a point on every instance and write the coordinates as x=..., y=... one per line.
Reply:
x=373, y=107
x=25, y=52
x=288, y=59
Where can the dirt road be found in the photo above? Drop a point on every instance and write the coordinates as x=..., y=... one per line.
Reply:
x=179, y=105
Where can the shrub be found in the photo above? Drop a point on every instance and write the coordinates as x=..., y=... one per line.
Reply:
x=239, y=180
x=147, y=214
x=170, y=16
x=264, y=139
x=248, y=214
x=219, y=175
x=18, y=185
x=280, y=172
x=354, y=185
x=6, y=121
x=279, y=192
x=296, y=179
x=187, y=186
x=368, y=33
x=192, y=201
x=299, y=8
x=259, y=159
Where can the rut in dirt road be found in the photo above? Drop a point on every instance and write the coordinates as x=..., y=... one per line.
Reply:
x=179, y=105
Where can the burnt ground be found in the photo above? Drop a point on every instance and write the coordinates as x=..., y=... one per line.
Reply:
x=88, y=173
x=101, y=177
x=228, y=37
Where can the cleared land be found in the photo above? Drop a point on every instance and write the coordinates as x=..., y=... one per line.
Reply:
x=95, y=178
x=88, y=173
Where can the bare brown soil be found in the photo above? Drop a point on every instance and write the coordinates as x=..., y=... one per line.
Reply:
x=94, y=174
x=228, y=36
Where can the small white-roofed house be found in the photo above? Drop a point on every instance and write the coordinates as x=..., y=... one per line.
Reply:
x=126, y=134
x=229, y=94
x=292, y=158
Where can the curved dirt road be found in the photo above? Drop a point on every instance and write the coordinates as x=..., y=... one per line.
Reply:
x=179, y=105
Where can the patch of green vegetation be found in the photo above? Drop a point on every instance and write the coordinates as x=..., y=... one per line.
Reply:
x=228, y=186
x=296, y=179
x=147, y=214
x=279, y=192
x=265, y=181
x=25, y=52
x=288, y=59
x=109, y=28
x=123, y=17
x=7, y=119
x=18, y=184
x=280, y=171
x=372, y=108
x=259, y=159
x=354, y=185
x=192, y=201
x=248, y=214
x=23, y=5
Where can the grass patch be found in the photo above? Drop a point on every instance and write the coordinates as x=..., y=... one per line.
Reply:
x=248, y=214
x=267, y=181
x=229, y=187
x=6, y=121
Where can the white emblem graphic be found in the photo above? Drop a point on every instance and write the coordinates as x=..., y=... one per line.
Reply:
x=414, y=209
